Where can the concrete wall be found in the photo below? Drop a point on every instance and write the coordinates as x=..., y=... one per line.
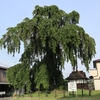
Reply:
x=96, y=74
x=98, y=69
x=97, y=84
x=93, y=72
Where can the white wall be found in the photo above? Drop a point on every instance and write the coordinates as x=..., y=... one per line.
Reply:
x=96, y=74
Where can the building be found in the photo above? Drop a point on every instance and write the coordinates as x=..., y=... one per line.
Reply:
x=80, y=78
x=3, y=79
x=96, y=74
x=4, y=86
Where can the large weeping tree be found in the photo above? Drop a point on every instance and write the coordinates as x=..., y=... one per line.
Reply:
x=50, y=38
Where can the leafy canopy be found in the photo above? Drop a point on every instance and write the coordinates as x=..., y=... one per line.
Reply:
x=19, y=76
x=52, y=36
x=41, y=76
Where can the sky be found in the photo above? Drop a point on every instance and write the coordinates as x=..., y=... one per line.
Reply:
x=13, y=12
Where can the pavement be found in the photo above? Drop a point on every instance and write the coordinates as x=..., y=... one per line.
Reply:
x=5, y=98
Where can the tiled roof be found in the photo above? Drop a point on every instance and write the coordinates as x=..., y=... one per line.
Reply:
x=1, y=67
x=75, y=75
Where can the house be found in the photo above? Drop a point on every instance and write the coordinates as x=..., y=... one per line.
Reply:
x=3, y=79
x=96, y=74
x=80, y=78
x=4, y=86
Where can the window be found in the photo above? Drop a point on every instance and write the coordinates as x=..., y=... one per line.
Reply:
x=4, y=74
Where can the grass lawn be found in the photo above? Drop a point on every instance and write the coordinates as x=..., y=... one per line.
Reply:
x=34, y=96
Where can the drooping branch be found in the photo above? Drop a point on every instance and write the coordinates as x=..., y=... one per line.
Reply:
x=49, y=28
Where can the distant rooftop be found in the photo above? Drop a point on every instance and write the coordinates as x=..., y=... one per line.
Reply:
x=75, y=75
x=96, y=61
x=1, y=67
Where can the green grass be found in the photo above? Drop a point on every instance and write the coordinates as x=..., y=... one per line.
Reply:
x=34, y=96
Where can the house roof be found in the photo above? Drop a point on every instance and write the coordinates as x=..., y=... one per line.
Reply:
x=96, y=61
x=1, y=67
x=75, y=75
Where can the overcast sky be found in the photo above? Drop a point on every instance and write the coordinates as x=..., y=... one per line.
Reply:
x=13, y=12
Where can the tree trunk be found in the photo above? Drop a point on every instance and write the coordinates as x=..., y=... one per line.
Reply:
x=82, y=88
x=46, y=93
x=73, y=93
x=90, y=91
x=55, y=93
x=82, y=91
x=63, y=93
x=30, y=93
x=38, y=92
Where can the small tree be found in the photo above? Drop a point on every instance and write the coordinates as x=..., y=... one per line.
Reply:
x=65, y=86
x=19, y=76
x=90, y=85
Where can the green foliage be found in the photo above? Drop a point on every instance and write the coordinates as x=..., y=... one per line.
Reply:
x=54, y=29
x=90, y=83
x=19, y=76
x=64, y=85
x=51, y=37
x=41, y=76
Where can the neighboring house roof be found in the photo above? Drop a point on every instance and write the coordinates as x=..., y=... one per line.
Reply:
x=1, y=67
x=75, y=75
x=96, y=61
